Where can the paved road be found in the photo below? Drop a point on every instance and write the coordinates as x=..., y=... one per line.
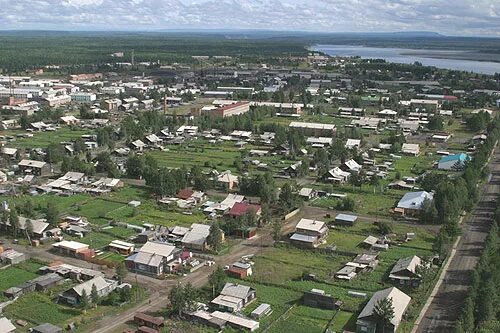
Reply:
x=447, y=304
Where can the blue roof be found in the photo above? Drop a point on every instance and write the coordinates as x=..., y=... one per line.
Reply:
x=462, y=157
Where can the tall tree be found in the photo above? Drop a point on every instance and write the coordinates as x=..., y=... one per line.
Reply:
x=121, y=271
x=177, y=299
x=14, y=220
x=52, y=213
x=84, y=300
x=383, y=312
x=94, y=296
x=215, y=237
x=217, y=280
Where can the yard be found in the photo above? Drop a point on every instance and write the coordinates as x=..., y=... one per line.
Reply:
x=15, y=275
x=282, y=269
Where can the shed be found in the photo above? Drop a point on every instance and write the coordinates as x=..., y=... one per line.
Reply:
x=262, y=310
x=346, y=219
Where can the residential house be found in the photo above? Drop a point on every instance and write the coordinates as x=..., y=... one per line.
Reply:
x=454, y=162
x=233, y=297
x=367, y=321
x=196, y=237
x=242, y=208
x=155, y=259
x=37, y=168
x=319, y=299
x=39, y=226
x=69, y=120
x=353, y=143
x=121, y=247
x=73, y=296
x=307, y=193
x=337, y=175
x=138, y=145
x=227, y=180
x=411, y=203
x=405, y=272
x=411, y=149
x=309, y=233
x=351, y=166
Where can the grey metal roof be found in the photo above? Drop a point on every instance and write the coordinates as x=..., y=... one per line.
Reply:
x=235, y=290
x=400, y=302
x=303, y=238
x=409, y=263
x=414, y=200
x=346, y=217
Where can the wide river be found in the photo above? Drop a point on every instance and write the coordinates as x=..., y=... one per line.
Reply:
x=409, y=56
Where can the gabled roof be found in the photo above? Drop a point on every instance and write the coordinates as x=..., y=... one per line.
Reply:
x=241, y=208
x=352, y=165
x=32, y=164
x=162, y=249
x=235, y=290
x=197, y=234
x=400, y=302
x=6, y=325
x=410, y=264
x=461, y=157
x=99, y=282
x=414, y=200
x=185, y=193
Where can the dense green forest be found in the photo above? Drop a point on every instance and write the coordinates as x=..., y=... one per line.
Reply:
x=25, y=51
x=21, y=50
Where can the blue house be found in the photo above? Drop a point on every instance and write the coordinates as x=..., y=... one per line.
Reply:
x=453, y=162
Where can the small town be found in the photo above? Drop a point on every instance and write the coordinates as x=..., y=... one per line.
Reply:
x=245, y=190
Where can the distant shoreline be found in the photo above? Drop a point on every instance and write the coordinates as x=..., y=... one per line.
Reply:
x=459, y=55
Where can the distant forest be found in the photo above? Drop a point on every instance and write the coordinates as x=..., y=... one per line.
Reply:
x=20, y=50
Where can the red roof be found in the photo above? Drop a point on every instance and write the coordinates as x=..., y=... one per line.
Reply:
x=240, y=208
x=185, y=193
x=230, y=106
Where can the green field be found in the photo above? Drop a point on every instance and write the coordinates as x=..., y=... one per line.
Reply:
x=44, y=139
x=283, y=267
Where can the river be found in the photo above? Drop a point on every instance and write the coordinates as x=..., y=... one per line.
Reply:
x=436, y=58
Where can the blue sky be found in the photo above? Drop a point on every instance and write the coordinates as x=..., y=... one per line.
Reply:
x=452, y=17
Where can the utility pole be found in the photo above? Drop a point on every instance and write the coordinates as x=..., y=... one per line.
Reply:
x=133, y=60
x=165, y=103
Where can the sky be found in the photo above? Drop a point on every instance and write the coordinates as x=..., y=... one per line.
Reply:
x=450, y=17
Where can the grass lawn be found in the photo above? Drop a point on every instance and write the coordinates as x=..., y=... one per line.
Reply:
x=282, y=268
x=111, y=257
x=44, y=139
x=344, y=320
x=39, y=308
x=13, y=276
x=303, y=319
